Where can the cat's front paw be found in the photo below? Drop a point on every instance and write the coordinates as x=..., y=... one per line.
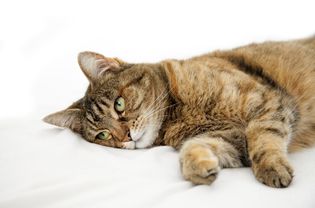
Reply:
x=276, y=174
x=199, y=165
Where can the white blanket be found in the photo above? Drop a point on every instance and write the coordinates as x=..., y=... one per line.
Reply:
x=42, y=166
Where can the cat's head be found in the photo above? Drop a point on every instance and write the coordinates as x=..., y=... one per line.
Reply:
x=123, y=106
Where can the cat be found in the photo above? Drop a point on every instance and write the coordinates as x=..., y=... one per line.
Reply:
x=245, y=107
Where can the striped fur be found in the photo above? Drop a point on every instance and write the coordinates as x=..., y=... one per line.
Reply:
x=243, y=107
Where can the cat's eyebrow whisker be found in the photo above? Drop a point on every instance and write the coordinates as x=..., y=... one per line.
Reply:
x=157, y=105
x=151, y=106
x=148, y=113
x=158, y=100
x=154, y=124
x=158, y=110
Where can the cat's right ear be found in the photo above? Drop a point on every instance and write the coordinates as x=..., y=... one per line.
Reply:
x=94, y=65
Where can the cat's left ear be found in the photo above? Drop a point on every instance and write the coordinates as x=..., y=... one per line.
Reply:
x=94, y=65
x=69, y=118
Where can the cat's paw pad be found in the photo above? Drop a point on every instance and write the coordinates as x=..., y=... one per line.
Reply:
x=200, y=167
x=277, y=175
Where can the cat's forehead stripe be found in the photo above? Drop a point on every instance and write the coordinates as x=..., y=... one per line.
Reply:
x=103, y=101
x=92, y=125
x=91, y=115
x=97, y=109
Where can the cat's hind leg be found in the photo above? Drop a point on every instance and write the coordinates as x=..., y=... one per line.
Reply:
x=202, y=157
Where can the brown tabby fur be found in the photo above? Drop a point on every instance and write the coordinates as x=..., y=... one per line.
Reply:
x=244, y=107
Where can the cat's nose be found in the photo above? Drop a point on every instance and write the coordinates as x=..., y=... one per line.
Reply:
x=127, y=136
x=125, y=133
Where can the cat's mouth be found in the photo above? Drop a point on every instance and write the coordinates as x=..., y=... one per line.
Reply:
x=142, y=139
x=136, y=136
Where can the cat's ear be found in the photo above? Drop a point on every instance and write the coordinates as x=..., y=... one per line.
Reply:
x=94, y=65
x=69, y=118
x=173, y=71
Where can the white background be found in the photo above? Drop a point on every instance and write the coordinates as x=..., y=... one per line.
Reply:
x=42, y=166
x=39, y=40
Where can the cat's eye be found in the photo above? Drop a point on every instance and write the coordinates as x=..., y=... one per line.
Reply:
x=104, y=135
x=120, y=104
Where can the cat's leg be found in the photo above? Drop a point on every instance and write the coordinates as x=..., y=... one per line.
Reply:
x=202, y=157
x=267, y=147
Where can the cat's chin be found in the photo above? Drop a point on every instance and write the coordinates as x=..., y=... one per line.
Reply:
x=142, y=139
x=136, y=145
x=129, y=145
x=139, y=144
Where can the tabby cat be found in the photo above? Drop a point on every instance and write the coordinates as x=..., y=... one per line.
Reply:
x=248, y=106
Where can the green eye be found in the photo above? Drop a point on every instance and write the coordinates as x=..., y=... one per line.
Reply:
x=104, y=135
x=120, y=104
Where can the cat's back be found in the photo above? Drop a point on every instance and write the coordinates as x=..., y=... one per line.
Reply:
x=289, y=65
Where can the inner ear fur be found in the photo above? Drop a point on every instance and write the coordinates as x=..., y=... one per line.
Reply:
x=69, y=118
x=94, y=65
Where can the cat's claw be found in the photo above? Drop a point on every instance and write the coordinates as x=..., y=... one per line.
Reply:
x=274, y=175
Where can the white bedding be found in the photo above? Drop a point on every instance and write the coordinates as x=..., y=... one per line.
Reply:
x=43, y=166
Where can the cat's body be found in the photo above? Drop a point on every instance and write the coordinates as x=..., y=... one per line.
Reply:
x=243, y=107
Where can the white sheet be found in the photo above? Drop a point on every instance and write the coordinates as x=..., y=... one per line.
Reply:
x=42, y=166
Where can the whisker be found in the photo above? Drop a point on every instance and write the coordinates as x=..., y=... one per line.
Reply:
x=158, y=110
x=153, y=109
x=154, y=124
x=157, y=101
x=152, y=104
